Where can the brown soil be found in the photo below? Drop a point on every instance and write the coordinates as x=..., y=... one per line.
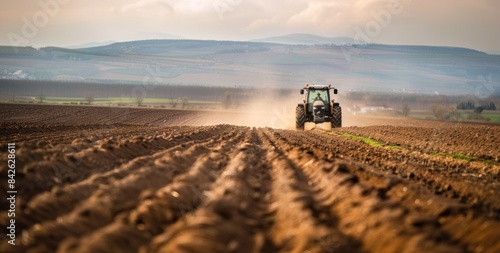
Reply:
x=93, y=179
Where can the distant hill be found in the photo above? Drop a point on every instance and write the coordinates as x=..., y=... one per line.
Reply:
x=91, y=44
x=157, y=36
x=305, y=39
x=174, y=47
x=373, y=67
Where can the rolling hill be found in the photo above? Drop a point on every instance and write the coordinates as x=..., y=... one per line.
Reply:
x=385, y=68
x=306, y=39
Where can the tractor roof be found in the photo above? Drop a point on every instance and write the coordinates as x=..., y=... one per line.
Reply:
x=319, y=87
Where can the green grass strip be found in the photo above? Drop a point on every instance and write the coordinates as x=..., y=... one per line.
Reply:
x=375, y=143
x=370, y=141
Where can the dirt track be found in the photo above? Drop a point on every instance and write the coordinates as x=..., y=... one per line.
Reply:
x=109, y=180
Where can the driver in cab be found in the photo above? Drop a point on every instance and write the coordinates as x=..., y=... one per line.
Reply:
x=319, y=98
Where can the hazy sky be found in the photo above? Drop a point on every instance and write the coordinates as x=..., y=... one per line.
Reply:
x=464, y=23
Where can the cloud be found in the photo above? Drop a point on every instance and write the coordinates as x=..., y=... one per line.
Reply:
x=316, y=13
x=158, y=6
x=263, y=23
x=447, y=22
x=338, y=13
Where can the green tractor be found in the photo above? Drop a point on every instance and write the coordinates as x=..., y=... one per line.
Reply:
x=318, y=107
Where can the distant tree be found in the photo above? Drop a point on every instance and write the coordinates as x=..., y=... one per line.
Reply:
x=478, y=109
x=139, y=99
x=184, y=101
x=492, y=106
x=405, y=110
x=173, y=102
x=488, y=106
x=494, y=100
x=477, y=113
x=444, y=112
x=41, y=97
x=468, y=105
x=89, y=97
x=227, y=101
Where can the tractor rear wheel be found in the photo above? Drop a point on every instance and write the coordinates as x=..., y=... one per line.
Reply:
x=300, y=117
x=337, y=117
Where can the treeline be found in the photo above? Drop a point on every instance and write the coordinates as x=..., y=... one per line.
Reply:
x=423, y=101
x=28, y=88
x=471, y=105
x=231, y=96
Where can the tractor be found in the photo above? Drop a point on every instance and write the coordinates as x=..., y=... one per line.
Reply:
x=318, y=107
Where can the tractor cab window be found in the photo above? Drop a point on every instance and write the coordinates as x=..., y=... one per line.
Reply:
x=317, y=95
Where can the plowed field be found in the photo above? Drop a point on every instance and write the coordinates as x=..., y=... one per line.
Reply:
x=92, y=179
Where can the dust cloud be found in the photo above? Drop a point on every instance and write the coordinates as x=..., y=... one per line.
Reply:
x=271, y=110
x=265, y=111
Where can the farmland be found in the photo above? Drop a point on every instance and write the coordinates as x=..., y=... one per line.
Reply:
x=110, y=179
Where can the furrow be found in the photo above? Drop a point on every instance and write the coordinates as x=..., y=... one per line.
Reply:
x=60, y=200
x=232, y=219
x=429, y=209
x=116, y=198
x=159, y=209
x=380, y=224
x=480, y=141
x=302, y=223
x=70, y=166
x=479, y=193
